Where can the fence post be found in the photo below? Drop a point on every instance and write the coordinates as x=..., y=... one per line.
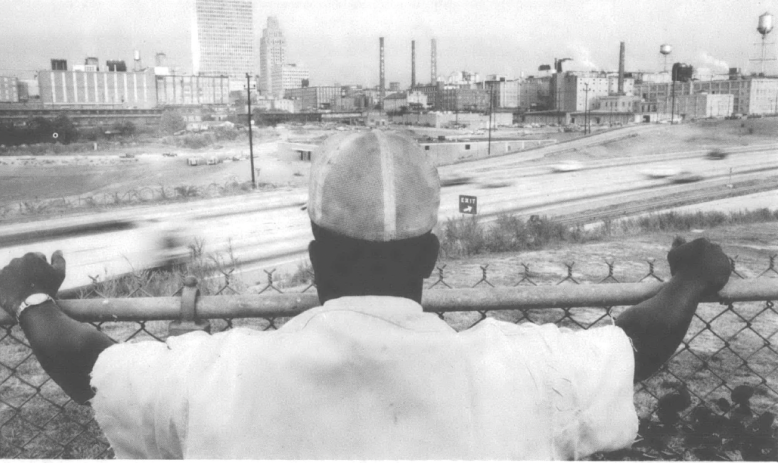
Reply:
x=189, y=321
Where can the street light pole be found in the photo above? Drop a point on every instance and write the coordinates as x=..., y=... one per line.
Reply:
x=251, y=138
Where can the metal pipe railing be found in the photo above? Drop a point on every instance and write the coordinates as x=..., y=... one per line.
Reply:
x=196, y=307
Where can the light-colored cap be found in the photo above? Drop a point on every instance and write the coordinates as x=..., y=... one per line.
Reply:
x=374, y=186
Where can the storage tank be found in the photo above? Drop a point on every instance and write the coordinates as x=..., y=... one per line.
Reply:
x=682, y=72
x=765, y=23
x=665, y=49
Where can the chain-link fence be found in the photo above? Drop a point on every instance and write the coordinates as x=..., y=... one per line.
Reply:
x=730, y=344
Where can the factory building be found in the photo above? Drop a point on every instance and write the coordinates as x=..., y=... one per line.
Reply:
x=464, y=99
x=223, y=38
x=534, y=93
x=314, y=98
x=272, y=53
x=9, y=89
x=758, y=95
x=107, y=89
x=434, y=94
x=288, y=76
x=573, y=91
x=408, y=100
x=192, y=90
x=504, y=93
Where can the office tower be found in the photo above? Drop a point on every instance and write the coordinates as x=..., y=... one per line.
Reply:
x=272, y=50
x=223, y=38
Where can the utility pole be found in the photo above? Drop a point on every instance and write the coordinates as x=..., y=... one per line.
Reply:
x=586, y=109
x=491, y=97
x=251, y=138
x=672, y=108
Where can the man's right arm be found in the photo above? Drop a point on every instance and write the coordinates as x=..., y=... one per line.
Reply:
x=65, y=348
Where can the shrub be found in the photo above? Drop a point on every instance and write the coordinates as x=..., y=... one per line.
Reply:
x=171, y=122
x=65, y=129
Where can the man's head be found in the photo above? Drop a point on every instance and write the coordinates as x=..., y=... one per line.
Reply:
x=373, y=200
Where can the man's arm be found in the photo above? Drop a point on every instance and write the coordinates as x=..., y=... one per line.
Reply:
x=65, y=348
x=658, y=325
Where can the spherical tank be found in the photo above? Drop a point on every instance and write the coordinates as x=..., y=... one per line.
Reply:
x=665, y=49
x=765, y=24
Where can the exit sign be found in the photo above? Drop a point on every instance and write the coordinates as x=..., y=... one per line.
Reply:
x=468, y=204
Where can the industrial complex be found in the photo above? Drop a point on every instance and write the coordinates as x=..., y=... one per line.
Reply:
x=228, y=64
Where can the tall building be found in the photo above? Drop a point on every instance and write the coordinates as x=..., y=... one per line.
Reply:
x=272, y=53
x=223, y=38
x=286, y=76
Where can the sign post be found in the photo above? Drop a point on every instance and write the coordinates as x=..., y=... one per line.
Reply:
x=468, y=204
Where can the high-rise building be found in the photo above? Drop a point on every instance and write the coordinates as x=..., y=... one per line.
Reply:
x=287, y=76
x=272, y=53
x=223, y=38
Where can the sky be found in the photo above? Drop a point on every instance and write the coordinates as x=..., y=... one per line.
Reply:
x=337, y=40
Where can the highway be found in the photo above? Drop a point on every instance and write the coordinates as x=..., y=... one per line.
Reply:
x=270, y=229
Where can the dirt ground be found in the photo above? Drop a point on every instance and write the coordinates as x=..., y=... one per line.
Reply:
x=108, y=170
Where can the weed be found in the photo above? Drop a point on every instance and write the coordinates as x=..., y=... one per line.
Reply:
x=302, y=276
x=187, y=191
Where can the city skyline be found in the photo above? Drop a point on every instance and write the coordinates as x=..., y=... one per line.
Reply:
x=338, y=40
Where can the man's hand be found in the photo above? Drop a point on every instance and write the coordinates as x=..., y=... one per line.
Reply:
x=29, y=275
x=702, y=261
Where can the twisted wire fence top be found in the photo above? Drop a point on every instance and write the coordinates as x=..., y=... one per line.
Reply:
x=728, y=345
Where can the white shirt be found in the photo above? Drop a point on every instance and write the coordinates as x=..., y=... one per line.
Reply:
x=370, y=378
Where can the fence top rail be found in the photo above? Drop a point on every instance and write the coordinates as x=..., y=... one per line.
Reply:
x=434, y=300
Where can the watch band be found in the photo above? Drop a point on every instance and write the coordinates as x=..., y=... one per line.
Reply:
x=31, y=301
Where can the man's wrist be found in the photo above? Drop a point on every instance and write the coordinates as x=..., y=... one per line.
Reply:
x=31, y=301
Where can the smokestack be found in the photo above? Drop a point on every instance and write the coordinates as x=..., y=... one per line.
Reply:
x=137, y=60
x=434, y=63
x=621, y=69
x=382, y=87
x=413, y=63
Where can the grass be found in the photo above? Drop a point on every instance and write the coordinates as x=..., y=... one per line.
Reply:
x=467, y=236
x=157, y=194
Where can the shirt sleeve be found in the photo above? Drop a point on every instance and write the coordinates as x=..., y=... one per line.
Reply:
x=594, y=391
x=141, y=394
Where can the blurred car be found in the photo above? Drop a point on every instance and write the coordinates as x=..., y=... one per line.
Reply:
x=456, y=180
x=661, y=172
x=716, y=154
x=567, y=166
x=686, y=176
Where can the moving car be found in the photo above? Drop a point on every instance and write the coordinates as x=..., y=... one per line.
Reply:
x=567, y=166
x=661, y=172
x=685, y=176
x=716, y=154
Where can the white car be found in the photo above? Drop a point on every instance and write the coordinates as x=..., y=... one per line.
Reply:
x=567, y=166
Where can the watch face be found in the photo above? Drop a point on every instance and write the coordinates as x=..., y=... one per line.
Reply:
x=38, y=298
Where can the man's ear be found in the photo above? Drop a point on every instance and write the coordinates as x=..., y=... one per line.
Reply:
x=428, y=256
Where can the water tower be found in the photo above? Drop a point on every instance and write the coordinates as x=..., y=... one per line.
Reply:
x=665, y=50
x=764, y=28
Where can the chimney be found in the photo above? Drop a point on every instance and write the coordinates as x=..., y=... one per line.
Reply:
x=413, y=63
x=434, y=63
x=621, y=69
x=382, y=88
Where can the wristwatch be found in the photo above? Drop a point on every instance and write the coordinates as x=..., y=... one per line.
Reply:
x=32, y=299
